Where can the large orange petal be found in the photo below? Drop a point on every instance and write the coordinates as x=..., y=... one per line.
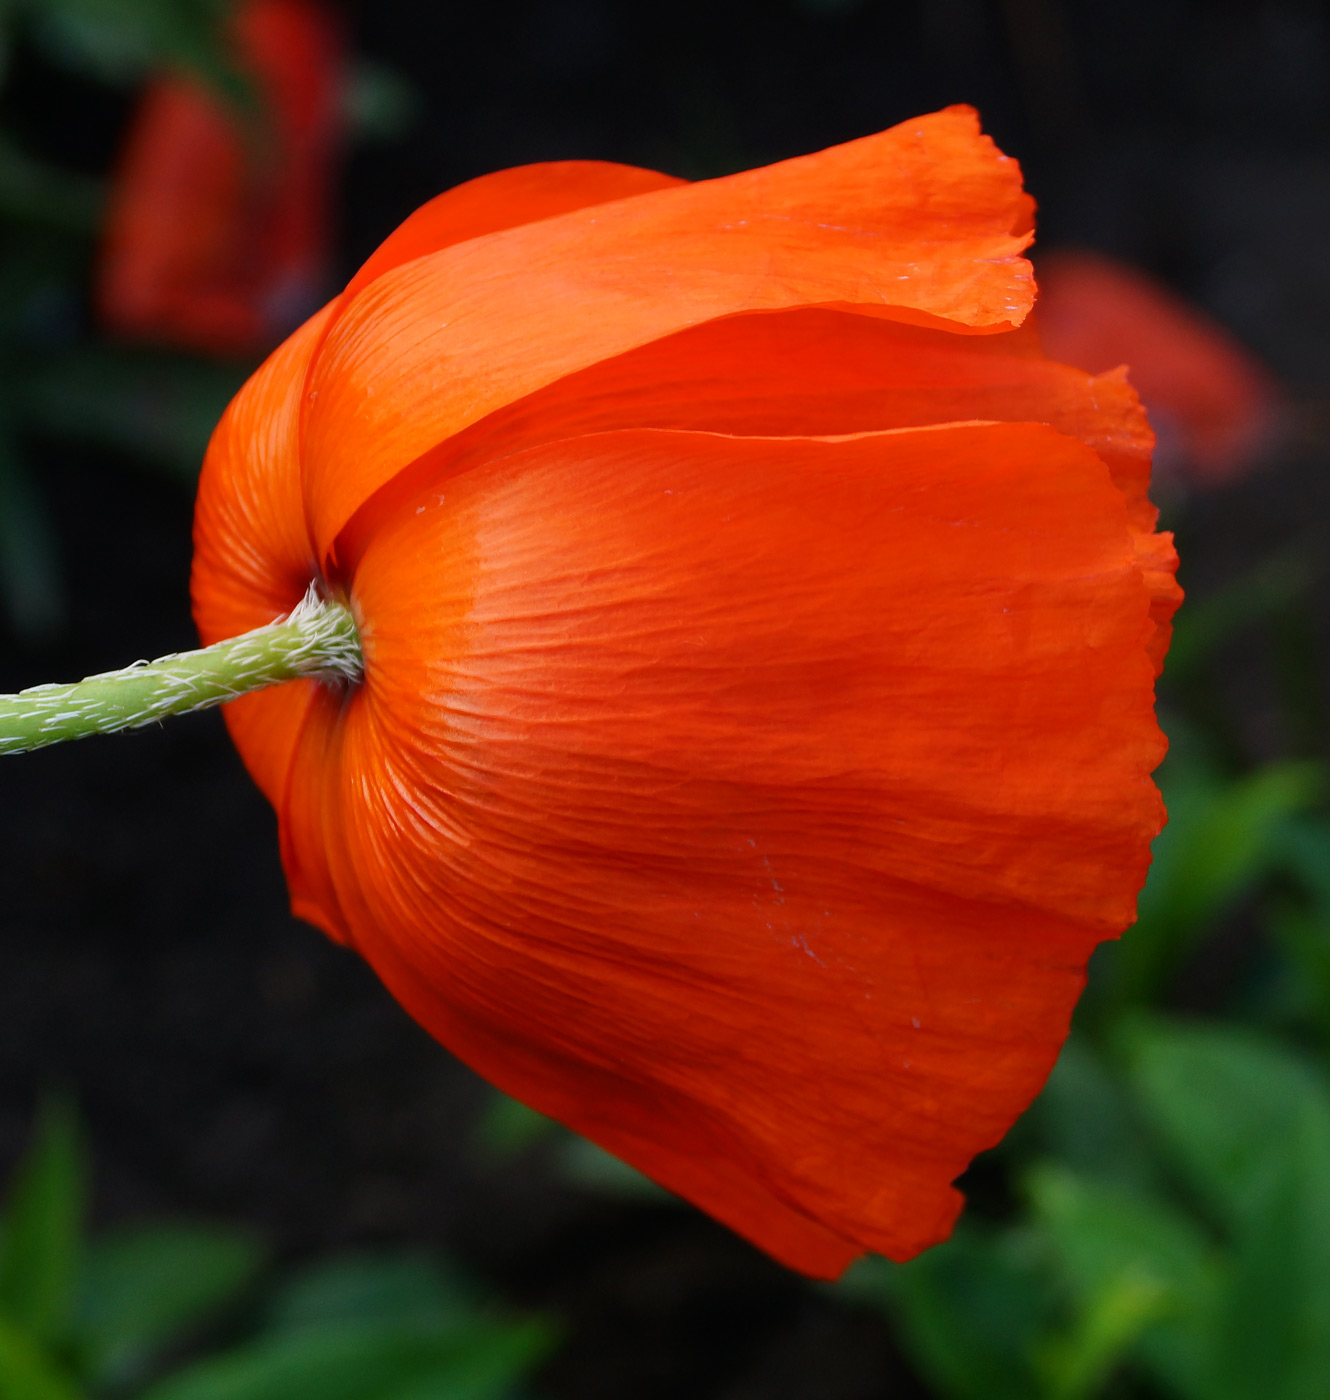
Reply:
x=913, y=224
x=252, y=556
x=752, y=805
x=505, y=199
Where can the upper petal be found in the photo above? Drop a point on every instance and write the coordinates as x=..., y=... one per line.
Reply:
x=505, y=199
x=914, y=223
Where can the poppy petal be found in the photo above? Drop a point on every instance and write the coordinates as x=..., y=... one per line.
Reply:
x=309, y=834
x=752, y=805
x=505, y=199
x=252, y=556
x=912, y=224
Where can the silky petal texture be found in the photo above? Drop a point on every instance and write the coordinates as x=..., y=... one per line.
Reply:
x=914, y=224
x=814, y=372
x=668, y=805
x=1215, y=400
x=216, y=238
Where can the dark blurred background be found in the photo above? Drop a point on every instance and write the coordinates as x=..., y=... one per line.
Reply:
x=230, y=1064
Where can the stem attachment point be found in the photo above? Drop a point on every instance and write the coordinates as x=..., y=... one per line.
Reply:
x=318, y=638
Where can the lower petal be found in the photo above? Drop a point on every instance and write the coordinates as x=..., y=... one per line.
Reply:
x=752, y=805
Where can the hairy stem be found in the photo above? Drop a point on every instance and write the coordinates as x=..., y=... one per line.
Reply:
x=318, y=639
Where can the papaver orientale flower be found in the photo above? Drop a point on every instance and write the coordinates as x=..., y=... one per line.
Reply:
x=759, y=646
x=217, y=232
x=1215, y=406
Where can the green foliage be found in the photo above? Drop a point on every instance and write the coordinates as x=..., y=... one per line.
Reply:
x=27, y=1373
x=1261, y=593
x=1169, y=1233
x=42, y=1229
x=1224, y=837
x=1139, y=1274
x=142, y=1288
x=121, y=41
x=123, y=1314
x=971, y=1311
x=510, y=1129
x=404, y=1288
x=1212, y=1284
x=368, y=1361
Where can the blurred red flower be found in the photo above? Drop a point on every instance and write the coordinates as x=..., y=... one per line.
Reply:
x=218, y=228
x=1212, y=404
x=760, y=638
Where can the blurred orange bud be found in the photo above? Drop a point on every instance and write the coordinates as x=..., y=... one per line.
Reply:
x=1212, y=404
x=218, y=228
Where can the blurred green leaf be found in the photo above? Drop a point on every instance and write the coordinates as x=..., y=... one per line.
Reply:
x=30, y=189
x=1083, y=1119
x=27, y=1374
x=1221, y=838
x=141, y=1288
x=1202, y=627
x=1224, y=837
x=508, y=1127
x=1076, y=1364
x=1299, y=917
x=121, y=41
x=403, y=1288
x=30, y=582
x=583, y=1163
x=40, y=1245
x=1274, y=1335
x=1229, y=1107
x=353, y=1361
x=972, y=1313
x=159, y=407
x=1304, y=851
x=1142, y=1272
x=380, y=104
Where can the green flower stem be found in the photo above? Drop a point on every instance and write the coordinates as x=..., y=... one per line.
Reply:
x=318, y=639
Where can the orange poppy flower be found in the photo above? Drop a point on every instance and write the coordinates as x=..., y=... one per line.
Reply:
x=217, y=232
x=1213, y=404
x=759, y=639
